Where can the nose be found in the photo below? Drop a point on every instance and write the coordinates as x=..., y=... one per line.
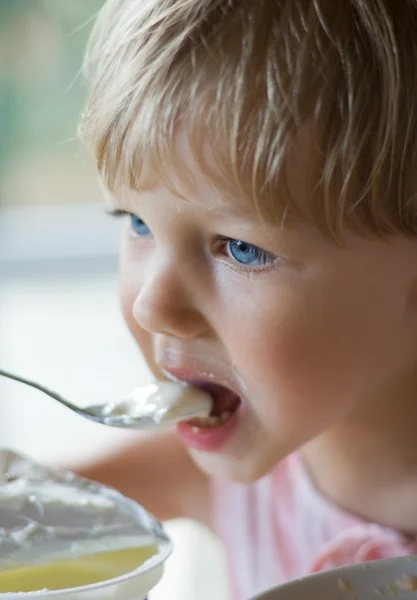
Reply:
x=166, y=304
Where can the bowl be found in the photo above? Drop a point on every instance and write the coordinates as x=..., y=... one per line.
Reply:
x=134, y=585
x=384, y=579
x=80, y=539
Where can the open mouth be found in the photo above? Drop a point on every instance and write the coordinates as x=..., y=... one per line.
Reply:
x=225, y=405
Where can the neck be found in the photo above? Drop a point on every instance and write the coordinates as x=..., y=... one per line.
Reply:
x=367, y=463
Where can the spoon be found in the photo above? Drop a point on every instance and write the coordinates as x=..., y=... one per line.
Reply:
x=151, y=406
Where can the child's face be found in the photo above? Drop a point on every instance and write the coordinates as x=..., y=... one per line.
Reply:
x=303, y=331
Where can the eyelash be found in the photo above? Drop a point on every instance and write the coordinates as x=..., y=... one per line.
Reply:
x=118, y=213
x=260, y=254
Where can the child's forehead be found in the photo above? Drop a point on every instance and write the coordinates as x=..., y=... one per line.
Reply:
x=207, y=177
x=189, y=188
x=190, y=180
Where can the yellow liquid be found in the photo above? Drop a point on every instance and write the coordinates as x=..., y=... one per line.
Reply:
x=68, y=573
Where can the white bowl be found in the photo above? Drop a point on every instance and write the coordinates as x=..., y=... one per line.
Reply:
x=131, y=586
x=44, y=497
x=384, y=579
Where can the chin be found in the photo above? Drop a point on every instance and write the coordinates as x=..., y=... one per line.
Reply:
x=230, y=468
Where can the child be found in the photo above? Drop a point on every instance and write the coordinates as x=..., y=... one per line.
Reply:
x=264, y=153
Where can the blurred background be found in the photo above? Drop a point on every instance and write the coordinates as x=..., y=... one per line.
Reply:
x=59, y=315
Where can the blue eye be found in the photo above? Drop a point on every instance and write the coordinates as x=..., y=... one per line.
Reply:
x=248, y=254
x=139, y=226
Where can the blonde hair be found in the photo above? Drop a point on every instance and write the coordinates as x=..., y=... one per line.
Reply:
x=245, y=76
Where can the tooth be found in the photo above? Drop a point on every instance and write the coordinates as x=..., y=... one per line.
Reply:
x=211, y=421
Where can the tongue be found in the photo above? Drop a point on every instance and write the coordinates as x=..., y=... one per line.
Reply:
x=224, y=400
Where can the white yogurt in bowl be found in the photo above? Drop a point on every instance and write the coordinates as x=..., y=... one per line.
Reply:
x=64, y=536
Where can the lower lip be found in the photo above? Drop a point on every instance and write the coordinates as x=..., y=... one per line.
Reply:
x=208, y=439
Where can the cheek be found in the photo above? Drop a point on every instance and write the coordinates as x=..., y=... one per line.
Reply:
x=128, y=291
x=126, y=296
x=310, y=348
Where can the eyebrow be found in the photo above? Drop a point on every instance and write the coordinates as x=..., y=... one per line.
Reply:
x=227, y=203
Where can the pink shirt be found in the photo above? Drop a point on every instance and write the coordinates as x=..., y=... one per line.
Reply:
x=280, y=528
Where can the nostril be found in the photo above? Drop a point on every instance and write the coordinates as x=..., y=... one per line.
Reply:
x=148, y=316
x=169, y=317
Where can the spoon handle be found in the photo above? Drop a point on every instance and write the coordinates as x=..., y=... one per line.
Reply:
x=41, y=388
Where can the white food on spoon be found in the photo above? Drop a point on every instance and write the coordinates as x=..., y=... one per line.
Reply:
x=163, y=402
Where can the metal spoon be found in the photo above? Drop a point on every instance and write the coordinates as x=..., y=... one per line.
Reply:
x=151, y=406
